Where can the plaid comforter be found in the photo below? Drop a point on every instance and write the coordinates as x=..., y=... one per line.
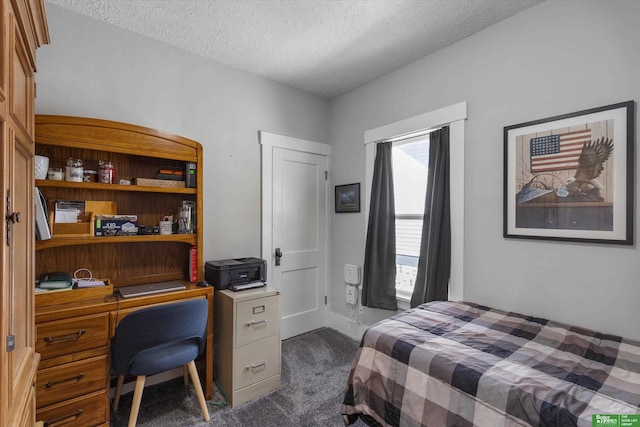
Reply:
x=461, y=364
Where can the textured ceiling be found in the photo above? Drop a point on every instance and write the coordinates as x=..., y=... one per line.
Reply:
x=326, y=47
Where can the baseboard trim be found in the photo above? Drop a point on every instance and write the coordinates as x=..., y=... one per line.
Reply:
x=345, y=325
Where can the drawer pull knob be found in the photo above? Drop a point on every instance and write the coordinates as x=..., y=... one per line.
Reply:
x=64, y=419
x=66, y=380
x=68, y=337
x=257, y=322
x=259, y=365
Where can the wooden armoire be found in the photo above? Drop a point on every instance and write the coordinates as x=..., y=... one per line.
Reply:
x=24, y=29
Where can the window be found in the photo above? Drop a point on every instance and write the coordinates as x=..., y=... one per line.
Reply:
x=454, y=116
x=410, y=165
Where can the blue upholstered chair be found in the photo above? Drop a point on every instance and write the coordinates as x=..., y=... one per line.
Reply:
x=156, y=339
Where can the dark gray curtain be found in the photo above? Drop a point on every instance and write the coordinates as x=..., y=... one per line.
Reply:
x=434, y=265
x=379, y=279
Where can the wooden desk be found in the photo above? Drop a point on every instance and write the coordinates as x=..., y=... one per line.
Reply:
x=73, y=339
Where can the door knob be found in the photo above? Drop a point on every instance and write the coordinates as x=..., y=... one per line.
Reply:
x=278, y=256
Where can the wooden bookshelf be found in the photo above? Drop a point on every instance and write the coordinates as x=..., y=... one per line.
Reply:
x=136, y=152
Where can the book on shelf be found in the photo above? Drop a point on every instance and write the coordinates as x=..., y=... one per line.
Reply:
x=190, y=180
x=170, y=177
x=172, y=170
x=43, y=232
x=193, y=264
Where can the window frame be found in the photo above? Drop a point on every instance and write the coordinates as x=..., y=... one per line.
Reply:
x=453, y=116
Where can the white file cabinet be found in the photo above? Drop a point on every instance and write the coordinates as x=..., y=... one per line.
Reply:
x=247, y=343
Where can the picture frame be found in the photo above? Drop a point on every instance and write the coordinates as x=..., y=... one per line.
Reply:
x=570, y=177
x=347, y=198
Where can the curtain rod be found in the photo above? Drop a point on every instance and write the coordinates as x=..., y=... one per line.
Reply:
x=409, y=135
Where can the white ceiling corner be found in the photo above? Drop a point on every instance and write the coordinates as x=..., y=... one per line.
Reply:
x=325, y=47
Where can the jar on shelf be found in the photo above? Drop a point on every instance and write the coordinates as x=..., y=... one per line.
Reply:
x=55, y=174
x=90, y=175
x=106, y=172
x=74, y=170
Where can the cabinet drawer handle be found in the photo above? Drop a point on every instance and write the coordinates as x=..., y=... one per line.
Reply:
x=64, y=419
x=259, y=365
x=68, y=337
x=257, y=322
x=66, y=380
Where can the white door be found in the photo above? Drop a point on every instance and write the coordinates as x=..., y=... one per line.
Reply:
x=295, y=226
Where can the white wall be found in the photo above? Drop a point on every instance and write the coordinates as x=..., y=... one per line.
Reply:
x=555, y=58
x=97, y=70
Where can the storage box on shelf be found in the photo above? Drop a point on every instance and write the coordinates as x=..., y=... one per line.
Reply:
x=64, y=296
x=85, y=225
x=158, y=182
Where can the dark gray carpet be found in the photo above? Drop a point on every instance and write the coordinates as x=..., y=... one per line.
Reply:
x=315, y=367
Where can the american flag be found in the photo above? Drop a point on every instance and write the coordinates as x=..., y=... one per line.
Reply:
x=557, y=152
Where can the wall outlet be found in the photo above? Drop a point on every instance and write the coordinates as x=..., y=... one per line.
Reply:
x=352, y=274
x=351, y=295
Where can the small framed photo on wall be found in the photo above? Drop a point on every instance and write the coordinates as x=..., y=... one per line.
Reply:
x=570, y=177
x=348, y=198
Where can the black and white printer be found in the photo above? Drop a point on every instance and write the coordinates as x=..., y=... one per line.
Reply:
x=236, y=274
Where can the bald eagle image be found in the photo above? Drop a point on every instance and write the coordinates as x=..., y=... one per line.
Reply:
x=584, y=184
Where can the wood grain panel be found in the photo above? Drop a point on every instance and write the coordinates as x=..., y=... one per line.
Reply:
x=149, y=207
x=109, y=136
x=21, y=93
x=70, y=335
x=125, y=167
x=71, y=380
x=22, y=29
x=90, y=410
x=122, y=263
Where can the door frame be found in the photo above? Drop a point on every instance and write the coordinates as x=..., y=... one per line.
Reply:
x=268, y=141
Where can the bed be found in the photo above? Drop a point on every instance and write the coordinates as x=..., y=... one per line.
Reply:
x=462, y=364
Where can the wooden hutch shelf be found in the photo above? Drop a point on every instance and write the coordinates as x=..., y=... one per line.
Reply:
x=135, y=152
x=71, y=241
x=113, y=187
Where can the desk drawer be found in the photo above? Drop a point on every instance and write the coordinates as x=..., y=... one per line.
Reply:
x=72, y=335
x=71, y=380
x=256, y=361
x=86, y=411
x=256, y=319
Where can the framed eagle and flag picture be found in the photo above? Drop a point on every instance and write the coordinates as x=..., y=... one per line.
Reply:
x=570, y=177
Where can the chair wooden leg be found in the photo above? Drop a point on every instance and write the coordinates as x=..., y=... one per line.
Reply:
x=137, y=398
x=116, y=397
x=198, y=388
